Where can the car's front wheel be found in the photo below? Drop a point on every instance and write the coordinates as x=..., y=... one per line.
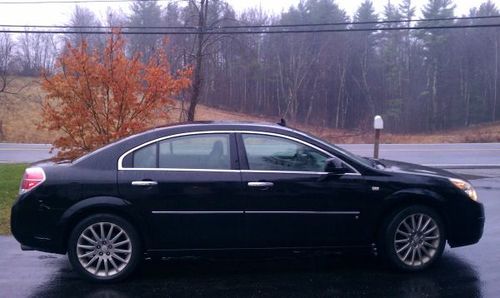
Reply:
x=414, y=238
x=104, y=248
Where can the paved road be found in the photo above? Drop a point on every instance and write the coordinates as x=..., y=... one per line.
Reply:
x=463, y=272
x=24, y=153
x=441, y=155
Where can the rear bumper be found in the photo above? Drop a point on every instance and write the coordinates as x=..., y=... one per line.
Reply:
x=467, y=228
x=29, y=232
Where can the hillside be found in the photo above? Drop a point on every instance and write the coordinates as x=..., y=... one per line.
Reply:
x=20, y=115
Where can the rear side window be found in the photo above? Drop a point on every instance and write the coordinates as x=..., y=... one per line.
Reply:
x=204, y=151
x=207, y=151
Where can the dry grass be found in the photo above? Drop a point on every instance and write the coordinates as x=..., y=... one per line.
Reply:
x=21, y=113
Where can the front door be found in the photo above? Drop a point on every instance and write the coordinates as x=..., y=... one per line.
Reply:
x=291, y=201
x=188, y=187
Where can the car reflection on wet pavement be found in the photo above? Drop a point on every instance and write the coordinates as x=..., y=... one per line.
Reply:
x=463, y=272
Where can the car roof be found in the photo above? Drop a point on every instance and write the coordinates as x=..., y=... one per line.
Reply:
x=221, y=125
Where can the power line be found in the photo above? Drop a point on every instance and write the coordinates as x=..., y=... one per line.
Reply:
x=255, y=31
x=98, y=27
x=366, y=22
x=253, y=26
x=71, y=2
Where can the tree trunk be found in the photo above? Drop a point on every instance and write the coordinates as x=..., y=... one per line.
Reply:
x=434, y=99
x=198, y=79
x=495, y=85
x=2, y=135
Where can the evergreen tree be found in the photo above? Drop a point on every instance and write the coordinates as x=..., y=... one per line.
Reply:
x=437, y=59
x=363, y=66
x=145, y=14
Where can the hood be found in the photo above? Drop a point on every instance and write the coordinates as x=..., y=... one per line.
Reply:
x=409, y=168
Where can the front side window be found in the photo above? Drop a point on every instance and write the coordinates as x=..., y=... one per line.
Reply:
x=270, y=153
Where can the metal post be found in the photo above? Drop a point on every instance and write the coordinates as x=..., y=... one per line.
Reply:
x=376, y=143
x=378, y=125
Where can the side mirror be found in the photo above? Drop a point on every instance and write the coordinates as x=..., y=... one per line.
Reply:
x=335, y=166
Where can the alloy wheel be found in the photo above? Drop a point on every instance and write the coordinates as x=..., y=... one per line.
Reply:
x=417, y=239
x=104, y=249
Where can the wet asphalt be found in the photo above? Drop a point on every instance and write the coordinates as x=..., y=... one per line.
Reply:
x=472, y=271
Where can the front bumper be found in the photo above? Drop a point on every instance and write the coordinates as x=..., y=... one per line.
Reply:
x=466, y=228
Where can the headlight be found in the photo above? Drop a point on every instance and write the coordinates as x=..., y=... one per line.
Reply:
x=465, y=187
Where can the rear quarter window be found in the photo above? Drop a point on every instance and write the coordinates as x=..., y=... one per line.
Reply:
x=145, y=157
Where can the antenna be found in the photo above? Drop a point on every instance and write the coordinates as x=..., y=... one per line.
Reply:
x=282, y=122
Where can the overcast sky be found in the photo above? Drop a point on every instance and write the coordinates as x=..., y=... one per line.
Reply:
x=57, y=14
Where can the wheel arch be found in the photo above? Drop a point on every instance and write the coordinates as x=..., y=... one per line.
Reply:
x=410, y=197
x=102, y=204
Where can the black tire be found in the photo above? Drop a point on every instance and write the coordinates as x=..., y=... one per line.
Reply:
x=107, y=253
x=425, y=243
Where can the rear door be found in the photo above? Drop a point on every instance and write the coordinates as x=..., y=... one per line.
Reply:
x=188, y=186
x=291, y=201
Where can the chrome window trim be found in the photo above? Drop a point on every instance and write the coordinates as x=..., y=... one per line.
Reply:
x=121, y=168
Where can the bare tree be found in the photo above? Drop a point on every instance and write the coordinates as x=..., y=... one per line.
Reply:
x=201, y=9
x=205, y=15
x=6, y=54
x=36, y=52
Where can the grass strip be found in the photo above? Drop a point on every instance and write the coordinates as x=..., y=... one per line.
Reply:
x=10, y=177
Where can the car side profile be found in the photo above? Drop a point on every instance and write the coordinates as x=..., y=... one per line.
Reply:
x=197, y=188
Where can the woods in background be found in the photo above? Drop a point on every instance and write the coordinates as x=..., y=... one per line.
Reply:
x=418, y=80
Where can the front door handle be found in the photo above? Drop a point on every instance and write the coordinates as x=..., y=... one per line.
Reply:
x=261, y=184
x=144, y=183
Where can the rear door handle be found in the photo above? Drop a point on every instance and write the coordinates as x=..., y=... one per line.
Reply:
x=261, y=184
x=144, y=183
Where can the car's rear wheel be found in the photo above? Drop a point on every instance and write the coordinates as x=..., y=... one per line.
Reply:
x=414, y=238
x=104, y=248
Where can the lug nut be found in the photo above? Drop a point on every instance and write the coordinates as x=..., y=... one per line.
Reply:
x=108, y=253
x=100, y=253
x=109, y=246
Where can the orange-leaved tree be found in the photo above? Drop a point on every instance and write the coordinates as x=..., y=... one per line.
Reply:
x=98, y=96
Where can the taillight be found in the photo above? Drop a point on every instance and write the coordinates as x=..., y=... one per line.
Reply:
x=31, y=179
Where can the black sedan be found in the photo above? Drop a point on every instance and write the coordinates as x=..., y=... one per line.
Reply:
x=208, y=187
